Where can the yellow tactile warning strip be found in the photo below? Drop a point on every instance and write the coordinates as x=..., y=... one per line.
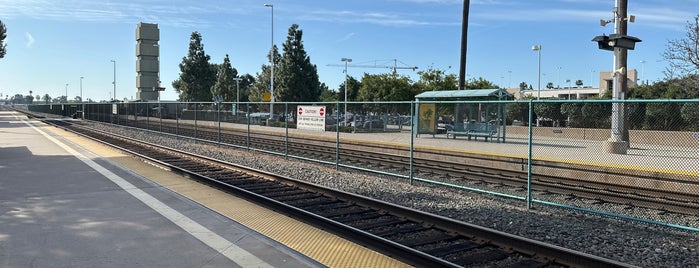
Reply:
x=315, y=243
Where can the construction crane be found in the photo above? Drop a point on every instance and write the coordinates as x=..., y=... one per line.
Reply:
x=395, y=66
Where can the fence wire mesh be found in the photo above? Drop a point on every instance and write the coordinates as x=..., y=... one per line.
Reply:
x=633, y=158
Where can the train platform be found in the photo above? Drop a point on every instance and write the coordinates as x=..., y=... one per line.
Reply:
x=678, y=159
x=67, y=201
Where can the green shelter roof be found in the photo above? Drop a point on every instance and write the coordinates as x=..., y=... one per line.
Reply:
x=463, y=94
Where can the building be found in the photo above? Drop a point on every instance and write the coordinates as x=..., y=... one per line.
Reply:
x=577, y=93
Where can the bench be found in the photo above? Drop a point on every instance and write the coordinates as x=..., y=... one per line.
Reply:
x=473, y=129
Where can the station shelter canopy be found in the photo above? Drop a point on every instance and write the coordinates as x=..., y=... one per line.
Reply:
x=437, y=108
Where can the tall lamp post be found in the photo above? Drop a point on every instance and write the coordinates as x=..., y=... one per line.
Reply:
x=537, y=48
x=66, y=93
x=237, y=93
x=346, y=60
x=81, y=89
x=643, y=70
x=114, y=80
x=271, y=56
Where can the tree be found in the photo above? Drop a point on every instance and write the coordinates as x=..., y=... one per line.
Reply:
x=225, y=84
x=327, y=95
x=690, y=114
x=244, y=86
x=3, y=35
x=549, y=110
x=579, y=83
x=261, y=82
x=683, y=54
x=353, y=86
x=519, y=110
x=386, y=87
x=523, y=86
x=197, y=75
x=298, y=77
x=479, y=83
x=549, y=85
x=435, y=79
x=46, y=98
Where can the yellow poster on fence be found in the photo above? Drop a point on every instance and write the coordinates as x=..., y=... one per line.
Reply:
x=427, y=117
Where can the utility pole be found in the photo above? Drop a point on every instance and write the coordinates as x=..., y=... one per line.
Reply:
x=622, y=77
x=464, y=41
x=619, y=43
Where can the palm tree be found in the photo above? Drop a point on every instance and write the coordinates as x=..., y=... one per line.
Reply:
x=579, y=83
x=47, y=98
x=549, y=85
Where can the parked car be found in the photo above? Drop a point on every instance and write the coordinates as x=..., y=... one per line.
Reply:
x=373, y=124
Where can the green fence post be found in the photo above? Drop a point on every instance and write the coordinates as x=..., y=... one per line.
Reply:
x=529, y=159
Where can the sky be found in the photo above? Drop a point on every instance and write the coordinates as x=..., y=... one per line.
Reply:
x=52, y=43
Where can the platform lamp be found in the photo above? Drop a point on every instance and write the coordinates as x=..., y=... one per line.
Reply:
x=114, y=80
x=537, y=48
x=346, y=60
x=271, y=56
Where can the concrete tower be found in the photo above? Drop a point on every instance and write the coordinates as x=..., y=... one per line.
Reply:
x=147, y=61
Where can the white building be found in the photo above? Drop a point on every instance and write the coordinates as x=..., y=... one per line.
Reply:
x=574, y=92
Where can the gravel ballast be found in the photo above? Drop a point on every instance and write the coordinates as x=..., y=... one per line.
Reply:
x=632, y=242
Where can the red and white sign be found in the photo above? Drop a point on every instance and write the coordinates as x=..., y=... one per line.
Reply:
x=311, y=117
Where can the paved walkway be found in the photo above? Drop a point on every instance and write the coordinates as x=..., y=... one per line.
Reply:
x=653, y=158
x=62, y=206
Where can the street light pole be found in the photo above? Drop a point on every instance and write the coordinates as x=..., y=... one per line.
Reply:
x=271, y=56
x=114, y=81
x=237, y=92
x=66, y=93
x=346, y=60
x=643, y=70
x=558, y=77
x=537, y=48
x=81, y=89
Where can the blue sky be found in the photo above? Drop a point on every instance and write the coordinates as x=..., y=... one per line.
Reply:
x=54, y=42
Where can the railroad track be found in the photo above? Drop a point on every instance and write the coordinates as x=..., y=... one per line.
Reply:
x=415, y=237
x=665, y=192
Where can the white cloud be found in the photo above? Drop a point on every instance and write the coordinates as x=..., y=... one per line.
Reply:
x=30, y=39
x=376, y=18
x=346, y=37
x=178, y=14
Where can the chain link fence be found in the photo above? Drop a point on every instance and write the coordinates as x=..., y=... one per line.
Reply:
x=635, y=159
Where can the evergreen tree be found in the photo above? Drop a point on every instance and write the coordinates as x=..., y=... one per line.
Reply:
x=246, y=83
x=353, y=86
x=298, y=78
x=3, y=35
x=261, y=82
x=225, y=85
x=327, y=95
x=197, y=75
